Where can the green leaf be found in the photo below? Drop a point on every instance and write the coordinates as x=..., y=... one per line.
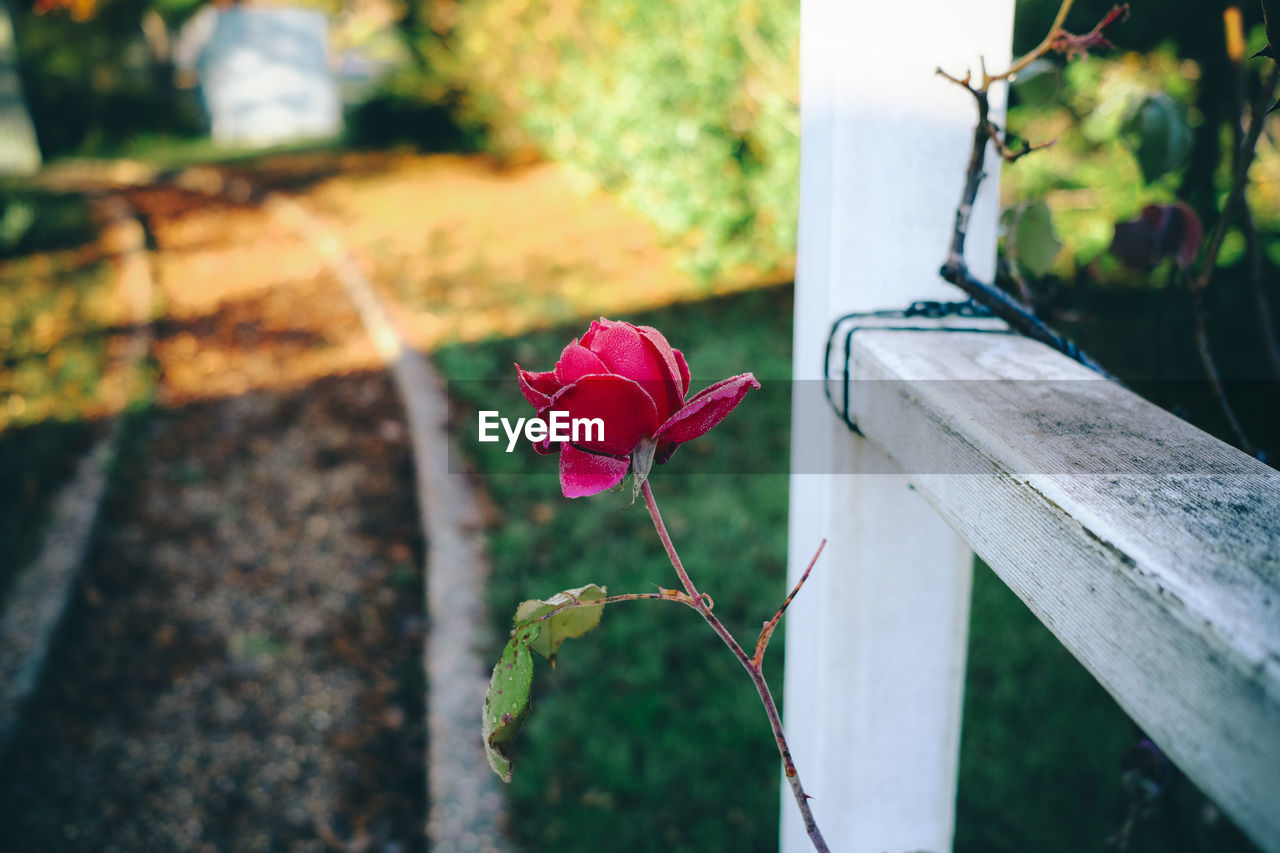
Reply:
x=1039, y=83
x=572, y=622
x=1163, y=136
x=507, y=702
x=1035, y=243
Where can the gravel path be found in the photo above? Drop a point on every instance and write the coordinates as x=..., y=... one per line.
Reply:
x=241, y=667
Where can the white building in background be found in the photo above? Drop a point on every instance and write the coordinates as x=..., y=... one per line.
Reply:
x=263, y=73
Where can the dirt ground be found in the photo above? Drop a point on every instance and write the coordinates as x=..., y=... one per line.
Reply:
x=241, y=667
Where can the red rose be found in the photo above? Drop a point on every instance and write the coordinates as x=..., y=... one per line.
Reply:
x=635, y=382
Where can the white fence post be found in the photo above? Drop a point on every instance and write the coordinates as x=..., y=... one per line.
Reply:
x=876, y=642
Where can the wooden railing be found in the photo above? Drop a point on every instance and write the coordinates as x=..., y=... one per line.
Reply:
x=1149, y=548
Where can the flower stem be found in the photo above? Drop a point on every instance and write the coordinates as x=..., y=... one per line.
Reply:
x=754, y=670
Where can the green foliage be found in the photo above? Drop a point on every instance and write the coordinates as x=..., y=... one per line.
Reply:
x=568, y=624
x=16, y=218
x=507, y=702
x=39, y=222
x=94, y=86
x=687, y=111
x=1163, y=137
x=1030, y=238
x=1121, y=126
x=54, y=337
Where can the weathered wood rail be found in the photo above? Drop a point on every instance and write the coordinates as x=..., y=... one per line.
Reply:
x=1149, y=548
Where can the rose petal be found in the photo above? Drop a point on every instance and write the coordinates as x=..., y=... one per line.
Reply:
x=678, y=382
x=684, y=373
x=706, y=409
x=583, y=474
x=577, y=361
x=537, y=388
x=625, y=352
x=590, y=334
x=620, y=347
x=627, y=410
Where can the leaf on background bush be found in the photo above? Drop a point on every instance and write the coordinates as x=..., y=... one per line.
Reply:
x=1160, y=231
x=1039, y=83
x=1035, y=244
x=507, y=702
x=16, y=219
x=570, y=623
x=1163, y=136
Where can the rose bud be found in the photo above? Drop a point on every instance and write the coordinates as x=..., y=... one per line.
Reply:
x=635, y=382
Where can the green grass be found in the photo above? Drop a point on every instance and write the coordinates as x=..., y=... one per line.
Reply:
x=1042, y=742
x=35, y=221
x=52, y=358
x=59, y=314
x=1041, y=749
x=647, y=732
x=164, y=152
x=648, y=736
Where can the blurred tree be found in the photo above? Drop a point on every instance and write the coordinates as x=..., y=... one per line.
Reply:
x=97, y=75
x=687, y=111
x=19, y=153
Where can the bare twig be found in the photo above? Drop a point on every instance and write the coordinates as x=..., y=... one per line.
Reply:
x=955, y=269
x=1015, y=272
x=1000, y=139
x=767, y=631
x=1040, y=50
x=1233, y=21
x=757, y=677
x=1241, y=159
x=703, y=603
x=1211, y=370
x=1073, y=46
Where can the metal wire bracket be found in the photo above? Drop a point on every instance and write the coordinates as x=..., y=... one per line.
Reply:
x=849, y=324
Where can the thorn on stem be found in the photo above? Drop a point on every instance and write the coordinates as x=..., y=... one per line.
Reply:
x=767, y=631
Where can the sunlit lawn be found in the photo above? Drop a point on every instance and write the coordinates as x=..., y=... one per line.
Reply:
x=60, y=369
